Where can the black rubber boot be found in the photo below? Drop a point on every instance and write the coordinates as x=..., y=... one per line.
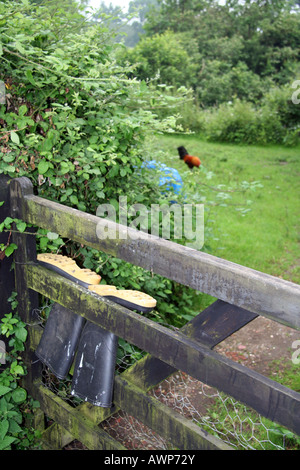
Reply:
x=59, y=340
x=94, y=370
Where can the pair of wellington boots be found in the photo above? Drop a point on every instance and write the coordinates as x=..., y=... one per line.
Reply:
x=68, y=338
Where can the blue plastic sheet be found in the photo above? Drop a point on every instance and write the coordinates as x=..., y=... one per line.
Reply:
x=170, y=178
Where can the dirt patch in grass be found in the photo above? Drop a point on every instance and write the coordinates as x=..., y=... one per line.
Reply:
x=259, y=344
x=262, y=345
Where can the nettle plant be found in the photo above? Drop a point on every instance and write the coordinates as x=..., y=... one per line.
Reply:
x=16, y=407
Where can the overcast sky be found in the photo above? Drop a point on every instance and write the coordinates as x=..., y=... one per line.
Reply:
x=119, y=3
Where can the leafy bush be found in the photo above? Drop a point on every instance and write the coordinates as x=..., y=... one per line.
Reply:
x=243, y=122
x=278, y=102
x=233, y=122
x=75, y=124
x=164, y=55
x=220, y=81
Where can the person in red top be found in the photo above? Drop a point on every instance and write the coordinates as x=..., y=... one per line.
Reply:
x=188, y=159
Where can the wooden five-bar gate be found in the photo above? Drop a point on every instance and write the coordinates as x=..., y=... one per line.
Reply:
x=242, y=295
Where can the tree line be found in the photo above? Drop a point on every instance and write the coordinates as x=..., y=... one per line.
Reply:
x=238, y=53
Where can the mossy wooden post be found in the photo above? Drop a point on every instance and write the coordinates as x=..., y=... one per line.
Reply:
x=7, y=281
x=25, y=253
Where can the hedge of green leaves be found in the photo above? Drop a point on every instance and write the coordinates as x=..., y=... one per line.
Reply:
x=75, y=124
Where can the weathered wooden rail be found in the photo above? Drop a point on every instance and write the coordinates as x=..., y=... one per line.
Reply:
x=242, y=295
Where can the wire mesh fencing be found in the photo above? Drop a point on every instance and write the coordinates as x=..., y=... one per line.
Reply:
x=212, y=410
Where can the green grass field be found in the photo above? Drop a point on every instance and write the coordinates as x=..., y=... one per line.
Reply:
x=262, y=234
x=257, y=227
